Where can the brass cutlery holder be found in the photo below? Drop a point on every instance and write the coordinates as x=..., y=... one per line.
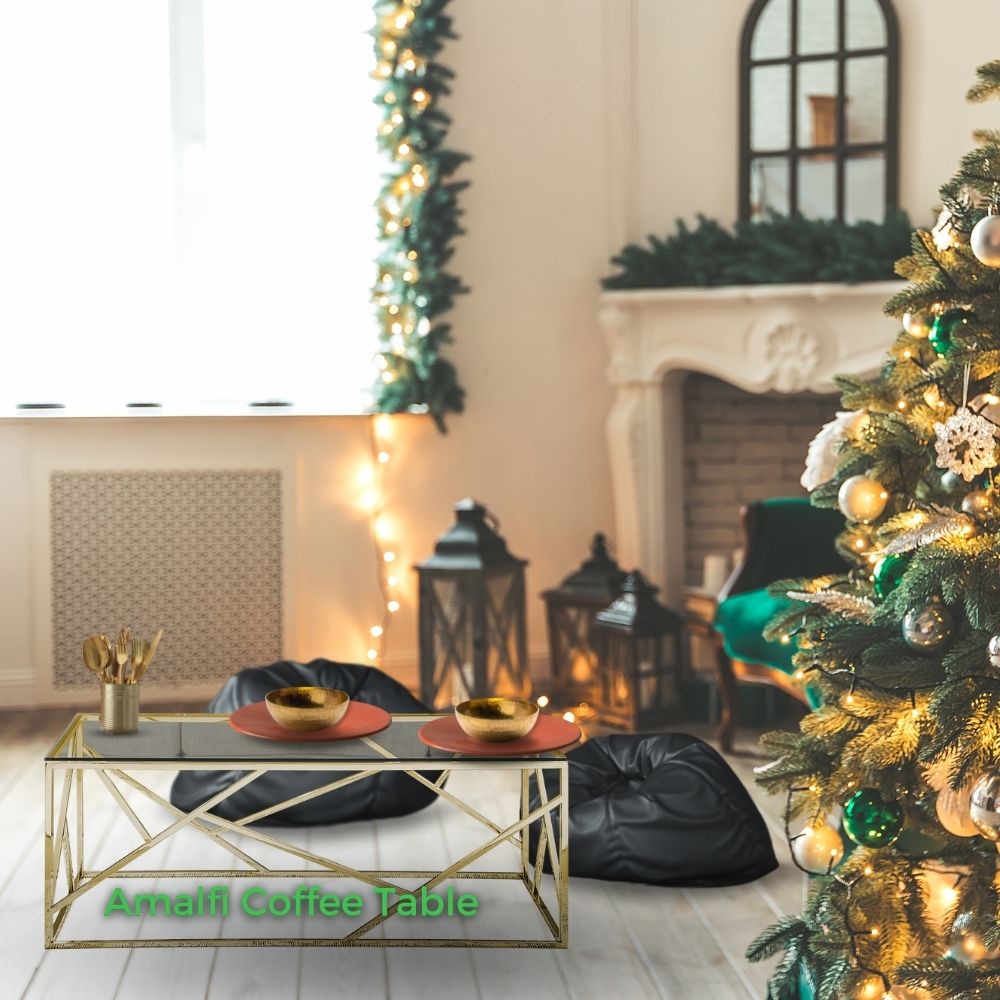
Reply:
x=119, y=708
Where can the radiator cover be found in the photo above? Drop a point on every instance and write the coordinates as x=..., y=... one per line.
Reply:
x=195, y=552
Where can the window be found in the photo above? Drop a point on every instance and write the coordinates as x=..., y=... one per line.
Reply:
x=187, y=193
x=819, y=109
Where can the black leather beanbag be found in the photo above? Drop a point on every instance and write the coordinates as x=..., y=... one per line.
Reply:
x=389, y=793
x=663, y=809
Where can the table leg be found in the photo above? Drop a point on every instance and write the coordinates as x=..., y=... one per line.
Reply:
x=49, y=873
x=562, y=888
x=80, y=772
x=525, y=797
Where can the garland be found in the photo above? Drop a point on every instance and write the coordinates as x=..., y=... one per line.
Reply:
x=418, y=212
x=776, y=250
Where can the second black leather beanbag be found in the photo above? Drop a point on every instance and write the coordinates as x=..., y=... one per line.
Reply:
x=389, y=793
x=663, y=809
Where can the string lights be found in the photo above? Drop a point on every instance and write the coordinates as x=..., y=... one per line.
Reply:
x=383, y=531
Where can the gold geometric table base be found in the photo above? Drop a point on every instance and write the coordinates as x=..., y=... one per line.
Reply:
x=67, y=879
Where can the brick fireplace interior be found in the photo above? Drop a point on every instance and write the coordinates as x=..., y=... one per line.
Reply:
x=739, y=446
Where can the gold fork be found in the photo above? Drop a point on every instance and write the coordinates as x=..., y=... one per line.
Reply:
x=122, y=649
x=140, y=650
x=148, y=653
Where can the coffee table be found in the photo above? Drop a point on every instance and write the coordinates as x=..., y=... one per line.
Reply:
x=174, y=742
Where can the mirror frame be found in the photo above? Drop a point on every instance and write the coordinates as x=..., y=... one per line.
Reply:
x=840, y=150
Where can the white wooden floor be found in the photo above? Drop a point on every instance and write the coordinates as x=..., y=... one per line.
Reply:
x=626, y=941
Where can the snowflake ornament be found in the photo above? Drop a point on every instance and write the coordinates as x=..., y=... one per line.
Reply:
x=965, y=444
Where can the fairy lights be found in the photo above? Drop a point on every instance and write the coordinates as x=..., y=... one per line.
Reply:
x=371, y=479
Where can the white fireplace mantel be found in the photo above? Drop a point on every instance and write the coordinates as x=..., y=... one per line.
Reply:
x=761, y=338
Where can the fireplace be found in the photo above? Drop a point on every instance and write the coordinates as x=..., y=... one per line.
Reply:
x=779, y=342
x=738, y=446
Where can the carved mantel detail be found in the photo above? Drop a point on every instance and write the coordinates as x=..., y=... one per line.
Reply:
x=764, y=338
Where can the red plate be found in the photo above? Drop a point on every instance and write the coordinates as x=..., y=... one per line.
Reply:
x=549, y=733
x=359, y=720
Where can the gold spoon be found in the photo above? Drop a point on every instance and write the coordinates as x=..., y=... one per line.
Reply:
x=95, y=656
x=108, y=648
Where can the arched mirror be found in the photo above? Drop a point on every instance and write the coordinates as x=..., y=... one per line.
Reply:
x=819, y=109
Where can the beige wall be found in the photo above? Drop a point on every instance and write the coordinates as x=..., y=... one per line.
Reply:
x=575, y=147
x=688, y=75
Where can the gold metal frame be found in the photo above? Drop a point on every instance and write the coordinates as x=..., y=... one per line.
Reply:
x=64, y=838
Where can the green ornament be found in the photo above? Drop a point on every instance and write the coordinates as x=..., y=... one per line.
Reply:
x=888, y=572
x=944, y=328
x=871, y=821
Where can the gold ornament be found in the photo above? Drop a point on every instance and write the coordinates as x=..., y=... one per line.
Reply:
x=858, y=541
x=985, y=404
x=918, y=324
x=899, y=992
x=953, y=812
x=967, y=945
x=979, y=505
x=862, y=499
x=818, y=849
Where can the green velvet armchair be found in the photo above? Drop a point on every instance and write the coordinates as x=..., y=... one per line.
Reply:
x=783, y=537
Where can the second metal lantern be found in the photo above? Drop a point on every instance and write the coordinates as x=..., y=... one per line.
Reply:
x=472, y=616
x=639, y=645
x=570, y=610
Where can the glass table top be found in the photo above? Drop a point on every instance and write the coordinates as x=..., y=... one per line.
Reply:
x=192, y=738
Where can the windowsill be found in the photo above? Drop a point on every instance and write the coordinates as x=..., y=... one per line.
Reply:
x=179, y=411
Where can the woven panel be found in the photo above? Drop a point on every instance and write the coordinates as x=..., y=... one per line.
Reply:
x=197, y=553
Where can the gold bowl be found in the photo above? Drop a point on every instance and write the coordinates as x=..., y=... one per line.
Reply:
x=305, y=708
x=496, y=720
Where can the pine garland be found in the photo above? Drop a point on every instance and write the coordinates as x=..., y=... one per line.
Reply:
x=775, y=250
x=418, y=211
x=894, y=716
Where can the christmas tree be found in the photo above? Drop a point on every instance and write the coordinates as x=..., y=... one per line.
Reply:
x=893, y=785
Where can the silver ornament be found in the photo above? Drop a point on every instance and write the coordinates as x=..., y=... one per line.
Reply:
x=952, y=483
x=985, y=240
x=862, y=499
x=918, y=324
x=984, y=806
x=993, y=650
x=978, y=505
x=928, y=628
x=967, y=944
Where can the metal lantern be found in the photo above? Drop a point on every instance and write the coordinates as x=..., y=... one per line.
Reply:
x=472, y=621
x=640, y=648
x=570, y=610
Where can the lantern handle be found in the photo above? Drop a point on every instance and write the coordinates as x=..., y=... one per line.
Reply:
x=491, y=519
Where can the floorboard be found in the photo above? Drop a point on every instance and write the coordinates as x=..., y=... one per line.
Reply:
x=632, y=941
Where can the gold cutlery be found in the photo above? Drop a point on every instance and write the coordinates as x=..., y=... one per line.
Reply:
x=140, y=650
x=109, y=649
x=95, y=656
x=122, y=650
x=150, y=652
